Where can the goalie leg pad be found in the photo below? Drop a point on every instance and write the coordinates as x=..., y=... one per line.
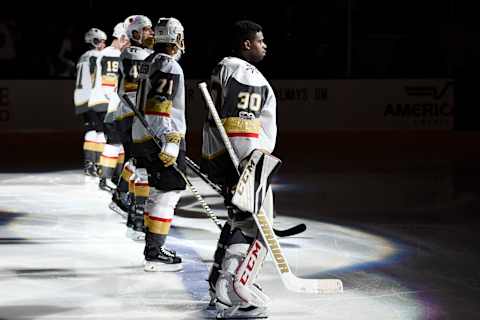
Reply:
x=222, y=243
x=235, y=288
x=248, y=272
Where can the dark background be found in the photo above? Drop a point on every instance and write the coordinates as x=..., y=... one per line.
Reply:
x=306, y=40
x=343, y=38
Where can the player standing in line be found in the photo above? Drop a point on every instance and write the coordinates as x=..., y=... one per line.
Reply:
x=104, y=100
x=83, y=88
x=247, y=106
x=161, y=99
x=141, y=36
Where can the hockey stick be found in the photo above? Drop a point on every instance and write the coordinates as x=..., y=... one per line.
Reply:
x=291, y=281
x=299, y=228
x=191, y=187
x=281, y=233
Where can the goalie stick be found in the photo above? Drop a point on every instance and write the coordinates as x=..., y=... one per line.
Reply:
x=299, y=228
x=207, y=210
x=291, y=281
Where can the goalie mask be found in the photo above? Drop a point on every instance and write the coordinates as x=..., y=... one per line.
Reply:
x=95, y=37
x=170, y=30
x=143, y=28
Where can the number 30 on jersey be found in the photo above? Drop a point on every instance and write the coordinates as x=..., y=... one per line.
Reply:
x=251, y=101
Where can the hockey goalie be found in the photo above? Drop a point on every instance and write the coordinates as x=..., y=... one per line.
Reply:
x=247, y=107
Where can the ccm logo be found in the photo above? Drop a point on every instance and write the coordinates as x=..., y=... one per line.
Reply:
x=252, y=259
x=244, y=178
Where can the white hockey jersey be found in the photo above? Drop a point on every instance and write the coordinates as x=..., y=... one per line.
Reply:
x=161, y=98
x=106, y=79
x=83, y=85
x=246, y=103
x=130, y=61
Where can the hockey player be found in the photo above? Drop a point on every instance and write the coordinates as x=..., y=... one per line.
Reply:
x=161, y=99
x=247, y=105
x=83, y=87
x=141, y=36
x=104, y=101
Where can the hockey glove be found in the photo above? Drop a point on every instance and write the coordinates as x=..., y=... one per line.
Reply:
x=170, y=148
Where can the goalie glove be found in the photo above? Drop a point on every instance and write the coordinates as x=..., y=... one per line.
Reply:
x=170, y=148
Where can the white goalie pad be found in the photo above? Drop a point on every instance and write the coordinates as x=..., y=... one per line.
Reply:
x=254, y=182
x=247, y=273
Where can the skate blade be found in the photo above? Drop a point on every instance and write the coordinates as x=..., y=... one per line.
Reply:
x=159, y=267
x=239, y=317
x=214, y=315
x=115, y=208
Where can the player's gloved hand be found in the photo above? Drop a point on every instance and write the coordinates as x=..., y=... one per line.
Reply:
x=170, y=148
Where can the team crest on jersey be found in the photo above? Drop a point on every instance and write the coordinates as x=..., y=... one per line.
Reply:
x=245, y=115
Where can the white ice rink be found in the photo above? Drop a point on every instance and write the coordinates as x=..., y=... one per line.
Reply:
x=64, y=255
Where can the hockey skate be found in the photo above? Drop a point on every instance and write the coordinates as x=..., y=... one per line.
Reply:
x=225, y=311
x=120, y=203
x=90, y=169
x=135, y=223
x=103, y=184
x=115, y=208
x=162, y=260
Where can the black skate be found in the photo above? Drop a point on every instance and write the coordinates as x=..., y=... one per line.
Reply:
x=104, y=185
x=90, y=169
x=162, y=260
x=122, y=200
x=135, y=224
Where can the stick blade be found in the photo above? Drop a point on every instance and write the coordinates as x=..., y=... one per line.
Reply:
x=291, y=231
x=316, y=286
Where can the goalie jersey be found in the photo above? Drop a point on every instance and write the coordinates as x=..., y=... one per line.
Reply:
x=246, y=105
x=83, y=85
x=106, y=79
x=161, y=99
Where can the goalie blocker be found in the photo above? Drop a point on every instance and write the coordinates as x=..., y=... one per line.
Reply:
x=251, y=189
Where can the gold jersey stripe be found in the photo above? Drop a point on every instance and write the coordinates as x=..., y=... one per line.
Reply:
x=109, y=81
x=237, y=125
x=93, y=146
x=130, y=86
x=109, y=162
x=158, y=225
x=90, y=146
x=163, y=108
x=141, y=190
